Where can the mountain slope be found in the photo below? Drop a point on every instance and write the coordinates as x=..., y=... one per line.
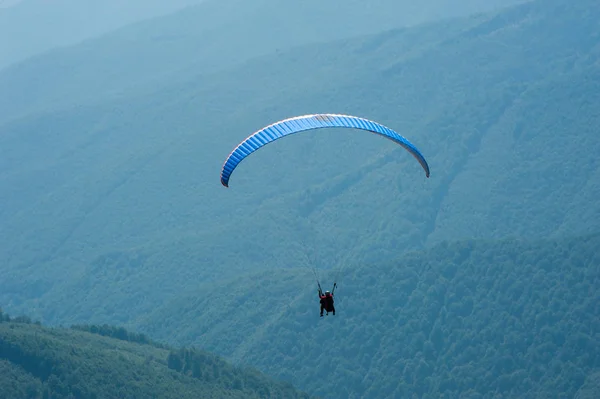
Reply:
x=63, y=363
x=208, y=37
x=36, y=26
x=465, y=319
x=122, y=200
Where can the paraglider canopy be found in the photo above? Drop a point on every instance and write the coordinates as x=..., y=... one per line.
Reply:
x=302, y=123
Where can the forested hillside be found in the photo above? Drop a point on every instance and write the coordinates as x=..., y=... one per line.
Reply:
x=471, y=319
x=37, y=26
x=119, y=202
x=211, y=36
x=108, y=362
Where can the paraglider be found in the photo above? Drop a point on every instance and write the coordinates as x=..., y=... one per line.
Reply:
x=326, y=301
x=302, y=123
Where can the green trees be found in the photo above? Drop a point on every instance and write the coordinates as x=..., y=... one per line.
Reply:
x=40, y=362
x=510, y=318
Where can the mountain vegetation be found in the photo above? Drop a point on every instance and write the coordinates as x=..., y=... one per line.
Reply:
x=31, y=27
x=476, y=319
x=109, y=362
x=469, y=319
x=481, y=281
x=207, y=37
x=124, y=198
